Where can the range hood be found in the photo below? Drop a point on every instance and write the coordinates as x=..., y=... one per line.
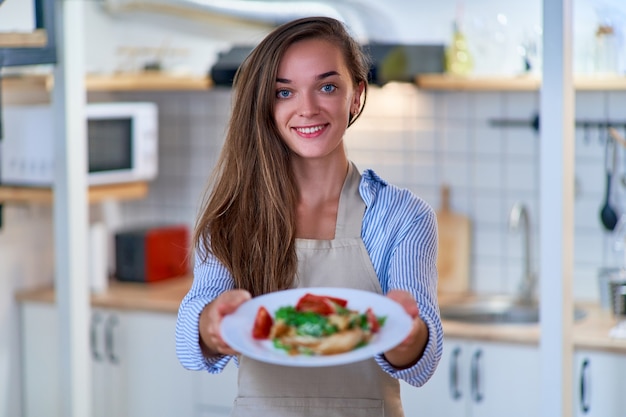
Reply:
x=390, y=62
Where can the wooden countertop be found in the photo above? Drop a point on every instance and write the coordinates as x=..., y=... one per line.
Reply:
x=162, y=297
x=591, y=332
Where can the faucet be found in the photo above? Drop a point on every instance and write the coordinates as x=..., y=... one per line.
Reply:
x=518, y=217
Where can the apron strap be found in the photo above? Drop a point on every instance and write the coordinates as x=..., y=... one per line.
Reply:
x=350, y=211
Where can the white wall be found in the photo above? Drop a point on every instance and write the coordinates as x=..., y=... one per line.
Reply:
x=26, y=260
x=401, y=21
x=413, y=138
x=495, y=30
x=17, y=15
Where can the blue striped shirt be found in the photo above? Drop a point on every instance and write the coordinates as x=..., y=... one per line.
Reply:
x=400, y=234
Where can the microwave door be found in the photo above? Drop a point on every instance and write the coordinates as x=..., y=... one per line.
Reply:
x=110, y=148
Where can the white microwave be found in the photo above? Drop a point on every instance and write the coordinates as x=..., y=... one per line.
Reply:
x=122, y=143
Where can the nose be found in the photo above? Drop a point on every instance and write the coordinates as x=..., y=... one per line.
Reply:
x=308, y=105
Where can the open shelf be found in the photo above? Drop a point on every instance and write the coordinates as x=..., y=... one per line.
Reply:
x=36, y=88
x=155, y=81
x=27, y=82
x=98, y=193
x=146, y=81
x=16, y=87
x=608, y=83
x=450, y=82
x=521, y=83
x=38, y=38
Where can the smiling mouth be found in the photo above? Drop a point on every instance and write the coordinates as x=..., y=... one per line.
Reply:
x=310, y=129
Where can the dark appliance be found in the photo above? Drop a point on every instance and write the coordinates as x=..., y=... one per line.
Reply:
x=403, y=62
x=223, y=72
x=389, y=62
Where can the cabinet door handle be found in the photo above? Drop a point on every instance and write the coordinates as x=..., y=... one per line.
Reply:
x=109, y=339
x=477, y=394
x=585, y=386
x=455, y=392
x=93, y=337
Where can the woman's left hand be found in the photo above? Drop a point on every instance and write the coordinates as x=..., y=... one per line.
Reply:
x=410, y=350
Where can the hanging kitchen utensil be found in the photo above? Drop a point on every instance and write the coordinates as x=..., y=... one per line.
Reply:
x=608, y=214
x=620, y=140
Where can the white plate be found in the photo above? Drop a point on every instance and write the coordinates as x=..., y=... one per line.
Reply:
x=237, y=327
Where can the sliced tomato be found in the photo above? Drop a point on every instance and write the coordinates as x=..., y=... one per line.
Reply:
x=313, y=297
x=320, y=304
x=372, y=320
x=339, y=301
x=262, y=324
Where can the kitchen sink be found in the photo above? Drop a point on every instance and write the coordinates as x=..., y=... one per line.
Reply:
x=495, y=310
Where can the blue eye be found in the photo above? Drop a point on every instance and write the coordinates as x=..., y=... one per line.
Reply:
x=328, y=88
x=283, y=94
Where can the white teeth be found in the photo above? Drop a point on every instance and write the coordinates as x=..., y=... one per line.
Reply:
x=309, y=130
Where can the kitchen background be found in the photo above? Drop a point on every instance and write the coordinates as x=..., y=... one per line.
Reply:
x=413, y=138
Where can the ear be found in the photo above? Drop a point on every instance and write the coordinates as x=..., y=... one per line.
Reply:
x=356, y=99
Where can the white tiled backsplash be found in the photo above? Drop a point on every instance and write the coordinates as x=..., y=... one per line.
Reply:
x=420, y=140
x=415, y=139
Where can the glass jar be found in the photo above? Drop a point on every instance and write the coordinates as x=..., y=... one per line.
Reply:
x=606, y=51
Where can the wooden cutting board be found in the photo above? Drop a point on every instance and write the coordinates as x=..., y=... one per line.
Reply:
x=453, y=260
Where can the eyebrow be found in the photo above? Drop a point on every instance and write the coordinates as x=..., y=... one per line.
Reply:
x=319, y=77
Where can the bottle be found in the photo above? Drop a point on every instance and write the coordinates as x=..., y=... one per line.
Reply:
x=458, y=58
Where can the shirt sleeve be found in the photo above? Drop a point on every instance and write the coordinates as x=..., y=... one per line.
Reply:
x=412, y=267
x=210, y=279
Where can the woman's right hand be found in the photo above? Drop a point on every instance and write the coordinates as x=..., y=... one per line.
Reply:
x=211, y=317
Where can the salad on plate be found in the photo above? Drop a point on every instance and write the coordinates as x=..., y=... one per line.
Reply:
x=317, y=325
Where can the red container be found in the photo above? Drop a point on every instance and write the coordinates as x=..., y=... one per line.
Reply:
x=152, y=254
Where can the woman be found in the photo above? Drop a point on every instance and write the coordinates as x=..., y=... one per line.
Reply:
x=288, y=209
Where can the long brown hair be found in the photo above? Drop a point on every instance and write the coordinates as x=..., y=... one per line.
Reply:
x=247, y=219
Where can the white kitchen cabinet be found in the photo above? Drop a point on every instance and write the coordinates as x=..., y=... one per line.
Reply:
x=600, y=378
x=436, y=398
x=107, y=339
x=479, y=379
x=40, y=356
x=135, y=371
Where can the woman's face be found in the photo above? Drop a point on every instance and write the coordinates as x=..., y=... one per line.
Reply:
x=314, y=97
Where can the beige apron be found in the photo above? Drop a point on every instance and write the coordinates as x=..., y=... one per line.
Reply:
x=360, y=389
